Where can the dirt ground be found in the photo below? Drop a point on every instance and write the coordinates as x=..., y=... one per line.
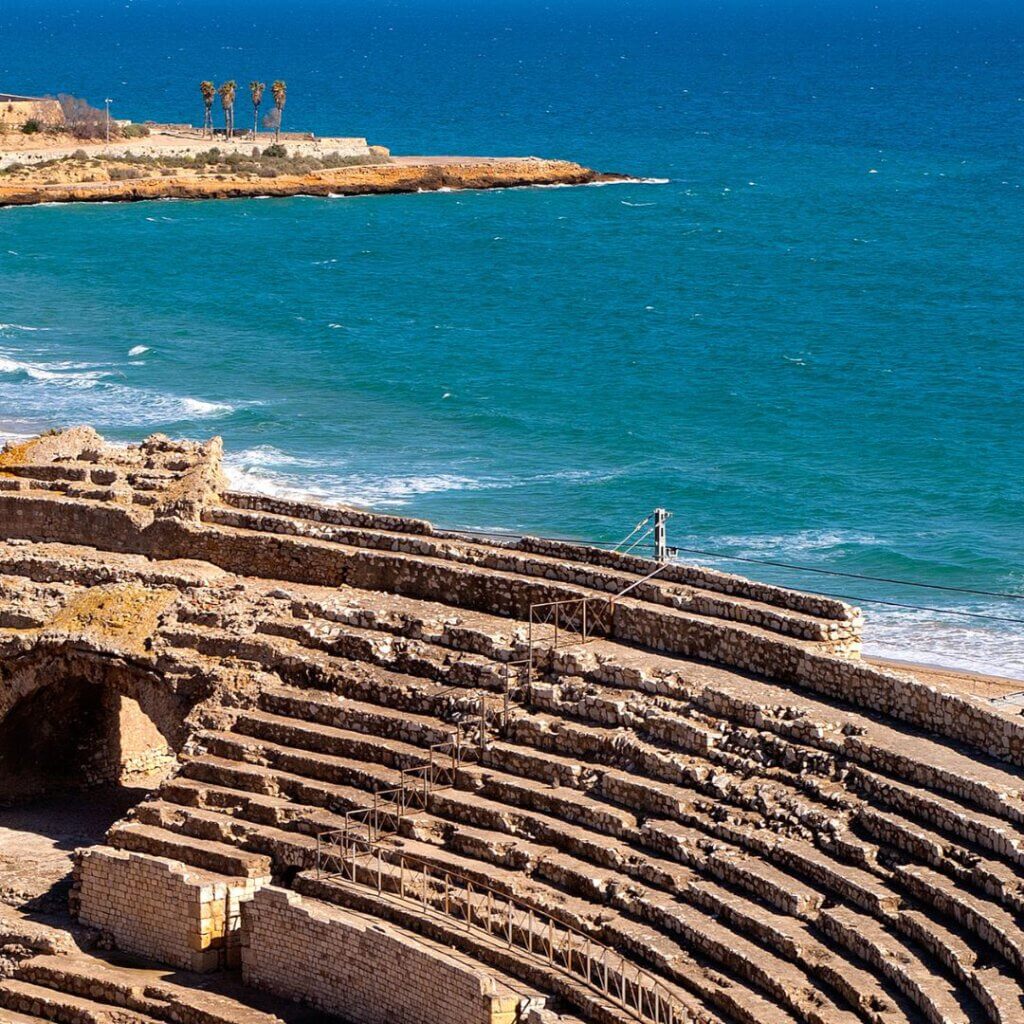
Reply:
x=37, y=840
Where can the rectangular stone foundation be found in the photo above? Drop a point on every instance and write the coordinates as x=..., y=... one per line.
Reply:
x=362, y=970
x=162, y=909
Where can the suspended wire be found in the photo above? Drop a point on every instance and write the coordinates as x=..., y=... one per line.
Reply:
x=851, y=575
x=642, y=537
x=640, y=525
x=923, y=608
x=791, y=566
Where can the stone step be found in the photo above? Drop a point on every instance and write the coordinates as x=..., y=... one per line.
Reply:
x=997, y=988
x=455, y=803
x=344, y=771
x=418, y=658
x=268, y=811
x=936, y=997
x=993, y=925
x=734, y=587
x=222, y=859
x=256, y=807
x=694, y=929
x=324, y=739
x=142, y=991
x=64, y=1008
x=360, y=716
x=944, y=814
x=284, y=848
x=357, y=681
x=504, y=559
x=996, y=879
x=261, y=780
x=796, y=857
x=9, y=1016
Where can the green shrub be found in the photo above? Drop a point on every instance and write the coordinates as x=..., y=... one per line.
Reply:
x=32, y=126
x=276, y=152
x=124, y=173
x=80, y=155
x=267, y=172
x=134, y=131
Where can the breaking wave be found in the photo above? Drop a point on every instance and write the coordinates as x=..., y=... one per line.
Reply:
x=268, y=470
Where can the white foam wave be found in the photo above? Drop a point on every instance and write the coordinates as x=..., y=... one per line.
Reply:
x=22, y=327
x=943, y=638
x=138, y=350
x=269, y=470
x=66, y=391
x=625, y=181
x=197, y=408
x=63, y=374
x=785, y=546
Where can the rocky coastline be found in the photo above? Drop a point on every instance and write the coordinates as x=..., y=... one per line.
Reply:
x=403, y=176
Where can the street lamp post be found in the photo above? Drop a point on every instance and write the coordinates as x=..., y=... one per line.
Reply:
x=108, y=102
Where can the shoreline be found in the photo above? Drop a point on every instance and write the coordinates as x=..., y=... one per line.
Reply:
x=403, y=175
x=980, y=684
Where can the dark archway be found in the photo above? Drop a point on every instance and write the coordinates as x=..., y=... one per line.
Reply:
x=72, y=735
x=83, y=738
x=71, y=721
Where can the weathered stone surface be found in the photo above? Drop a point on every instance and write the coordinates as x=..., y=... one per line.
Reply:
x=713, y=784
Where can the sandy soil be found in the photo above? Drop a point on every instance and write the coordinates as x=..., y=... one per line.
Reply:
x=975, y=683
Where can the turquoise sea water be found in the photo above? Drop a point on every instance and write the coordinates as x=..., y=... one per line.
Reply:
x=808, y=342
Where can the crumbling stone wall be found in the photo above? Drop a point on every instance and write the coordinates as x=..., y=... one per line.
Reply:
x=161, y=909
x=352, y=966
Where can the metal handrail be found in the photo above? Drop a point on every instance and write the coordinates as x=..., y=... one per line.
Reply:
x=536, y=932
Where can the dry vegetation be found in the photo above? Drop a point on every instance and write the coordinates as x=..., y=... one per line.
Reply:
x=270, y=162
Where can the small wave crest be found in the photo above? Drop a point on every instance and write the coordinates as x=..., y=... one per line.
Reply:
x=197, y=408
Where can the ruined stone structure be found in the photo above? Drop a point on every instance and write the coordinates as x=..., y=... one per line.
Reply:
x=418, y=776
x=15, y=111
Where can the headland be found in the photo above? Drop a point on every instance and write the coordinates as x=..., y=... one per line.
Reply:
x=180, y=162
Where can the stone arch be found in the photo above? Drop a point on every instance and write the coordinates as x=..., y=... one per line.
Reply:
x=71, y=718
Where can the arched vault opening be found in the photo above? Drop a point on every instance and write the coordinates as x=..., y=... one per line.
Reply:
x=83, y=737
x=72, y=721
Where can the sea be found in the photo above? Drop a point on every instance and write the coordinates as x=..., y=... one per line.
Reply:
x=800, y=330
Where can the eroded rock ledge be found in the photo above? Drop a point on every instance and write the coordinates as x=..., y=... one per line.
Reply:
x=714, y=785
x=399, y=177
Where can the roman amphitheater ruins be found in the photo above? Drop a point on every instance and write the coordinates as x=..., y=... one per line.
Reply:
x=397, y=774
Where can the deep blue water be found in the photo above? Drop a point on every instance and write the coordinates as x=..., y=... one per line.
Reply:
x=808, y=343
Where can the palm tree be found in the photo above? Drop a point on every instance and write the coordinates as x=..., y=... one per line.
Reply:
x=279, y=90
x=227, y=101
x=208, y=91
x=256, y=89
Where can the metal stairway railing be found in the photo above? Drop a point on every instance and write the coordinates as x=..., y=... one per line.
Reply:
x=537, y=934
